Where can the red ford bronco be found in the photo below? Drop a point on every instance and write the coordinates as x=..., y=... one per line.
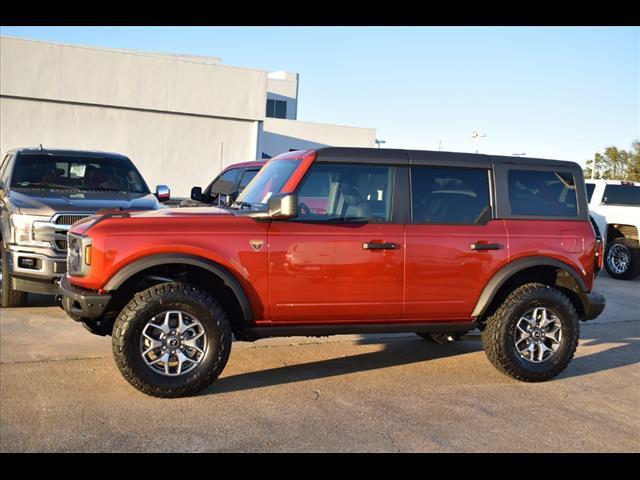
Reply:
x=344, y=240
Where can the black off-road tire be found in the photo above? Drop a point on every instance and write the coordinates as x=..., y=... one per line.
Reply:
x=633, y=249
x=9, y=297
x=441, y=338
x=153, y=301
x=498, y=338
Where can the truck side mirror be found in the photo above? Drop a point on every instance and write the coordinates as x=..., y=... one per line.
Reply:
x=283, y=205
x=196, y=194
x=163, y=193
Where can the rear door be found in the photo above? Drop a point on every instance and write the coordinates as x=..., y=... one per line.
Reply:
x=342, y=259
x=453, y=243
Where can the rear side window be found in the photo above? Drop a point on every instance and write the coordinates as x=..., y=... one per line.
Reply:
x=450, y=195
x=590, y=188
x=247, y=176
x=621, y=195
x=226, y=183
x=543, y=193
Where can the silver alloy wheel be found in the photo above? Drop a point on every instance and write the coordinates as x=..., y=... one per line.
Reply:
x=539, y=333
x=619, y=258
x=173, y=343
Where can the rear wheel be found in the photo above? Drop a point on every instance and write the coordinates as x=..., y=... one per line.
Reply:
x=622, y=258
x=533, y=335
x=171, y=340
x=8, y=296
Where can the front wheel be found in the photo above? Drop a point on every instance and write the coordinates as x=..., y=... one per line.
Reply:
x=533, y=335
x=8, y=296
x=622, y=258
x=171, y=340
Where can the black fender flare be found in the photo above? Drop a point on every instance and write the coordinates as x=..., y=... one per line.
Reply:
x=505, y=273
x=182, y=259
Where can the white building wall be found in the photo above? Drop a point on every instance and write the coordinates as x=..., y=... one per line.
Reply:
x=178, y=150
x=116, y=78
x=281, y=135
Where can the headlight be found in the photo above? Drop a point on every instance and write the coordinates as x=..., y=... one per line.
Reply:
x=22, y=229
x=78, y=255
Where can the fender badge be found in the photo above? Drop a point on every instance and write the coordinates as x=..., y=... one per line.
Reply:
x=256, y=244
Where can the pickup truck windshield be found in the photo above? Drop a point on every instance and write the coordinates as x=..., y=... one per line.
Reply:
x=65, y=172
x=268, y=181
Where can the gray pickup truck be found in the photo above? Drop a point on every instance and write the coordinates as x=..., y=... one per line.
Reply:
x=42, y=193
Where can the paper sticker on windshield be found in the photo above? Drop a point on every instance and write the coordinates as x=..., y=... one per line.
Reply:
x=77, y=170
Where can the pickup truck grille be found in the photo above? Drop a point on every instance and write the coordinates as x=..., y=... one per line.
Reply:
x=67, y=221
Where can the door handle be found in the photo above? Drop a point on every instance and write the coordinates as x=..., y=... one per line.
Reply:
x=379, y=246
x=484, y=246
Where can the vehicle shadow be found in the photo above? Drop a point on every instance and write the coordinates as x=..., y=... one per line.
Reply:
x=625, y=352
x=407, y=350
x=396, y=352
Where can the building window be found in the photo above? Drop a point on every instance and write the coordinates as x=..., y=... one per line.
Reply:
x=276, y=108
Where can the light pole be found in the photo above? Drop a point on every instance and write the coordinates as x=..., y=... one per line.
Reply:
x=477, y=136
x=380, y=142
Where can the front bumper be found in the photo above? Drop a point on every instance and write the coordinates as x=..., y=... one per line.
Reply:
x=593, y=304
x=44, y=273
x=82, y=304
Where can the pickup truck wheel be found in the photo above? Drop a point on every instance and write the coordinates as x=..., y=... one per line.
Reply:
x=8, y=296
x=441, y=338
x=622, y=258
x=171, y=340
x=533, y=335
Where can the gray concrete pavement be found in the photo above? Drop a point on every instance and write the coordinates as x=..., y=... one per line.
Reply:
x=60, y=391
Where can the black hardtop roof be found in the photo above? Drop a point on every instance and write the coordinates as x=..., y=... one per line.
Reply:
x=68, y=152
x=407, y=157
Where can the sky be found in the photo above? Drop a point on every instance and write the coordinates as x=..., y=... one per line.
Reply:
x=548, y=92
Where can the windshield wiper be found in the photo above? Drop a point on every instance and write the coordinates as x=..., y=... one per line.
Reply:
x=99, y=189
x=48, y=185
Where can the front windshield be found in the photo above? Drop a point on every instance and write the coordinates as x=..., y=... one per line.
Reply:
x=69, y=172
x=270, y=180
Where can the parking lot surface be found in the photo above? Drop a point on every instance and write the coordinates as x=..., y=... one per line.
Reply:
x=60, y=391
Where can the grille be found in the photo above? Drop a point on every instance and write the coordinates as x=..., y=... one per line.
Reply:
x=67, y=220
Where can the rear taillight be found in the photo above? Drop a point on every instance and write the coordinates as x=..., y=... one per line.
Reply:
x=599, y=253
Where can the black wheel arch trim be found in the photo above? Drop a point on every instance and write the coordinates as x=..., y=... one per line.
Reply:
x=505, y=273
x=182, y=259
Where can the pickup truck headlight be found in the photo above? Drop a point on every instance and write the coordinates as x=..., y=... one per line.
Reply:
x=22, y=232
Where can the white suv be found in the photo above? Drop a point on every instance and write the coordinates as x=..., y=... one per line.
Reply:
x=615, y=208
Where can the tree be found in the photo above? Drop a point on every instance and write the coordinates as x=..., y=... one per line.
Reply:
x=615, y=164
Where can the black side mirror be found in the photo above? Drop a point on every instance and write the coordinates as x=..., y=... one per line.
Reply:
x=196, y=194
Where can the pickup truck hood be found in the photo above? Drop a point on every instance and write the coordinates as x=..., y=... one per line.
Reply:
x=48, y=203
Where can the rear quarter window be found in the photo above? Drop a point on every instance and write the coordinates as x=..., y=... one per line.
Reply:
x=621, y=195
x=542, y=193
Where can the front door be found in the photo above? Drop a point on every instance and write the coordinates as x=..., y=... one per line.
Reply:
x=341, y=260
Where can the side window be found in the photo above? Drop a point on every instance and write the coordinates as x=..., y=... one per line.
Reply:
x=346, y=192
x=446, y=195
x=247, y=176
x=226, y=183
x=544, y=193
x=590, y=188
